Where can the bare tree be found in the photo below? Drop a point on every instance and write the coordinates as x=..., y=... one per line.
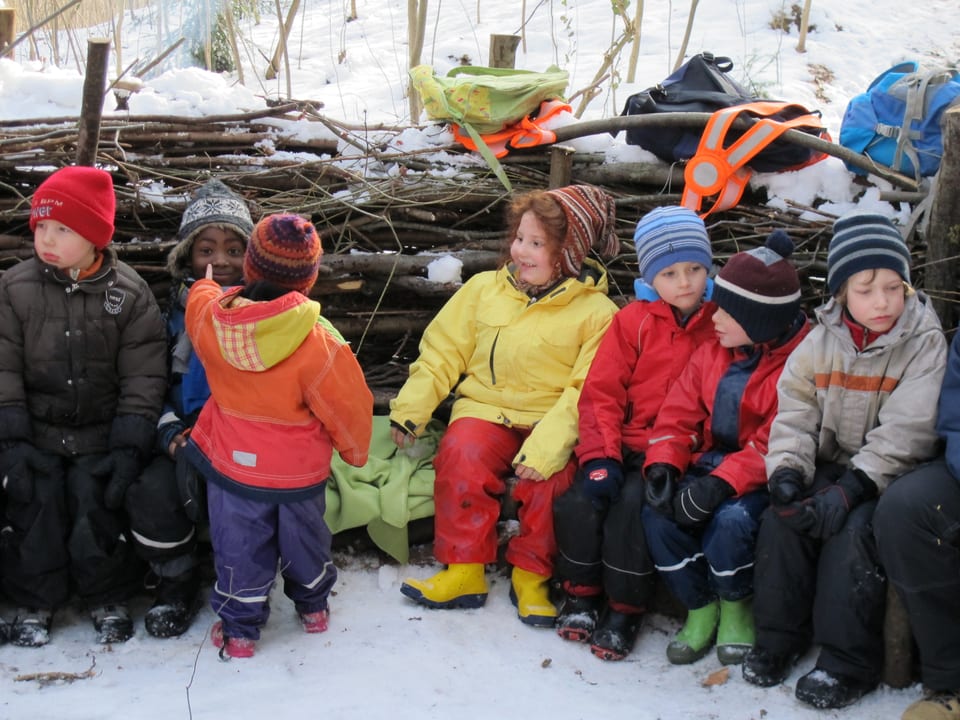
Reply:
x=416, y=29
x=686, y=34
x=804, y=26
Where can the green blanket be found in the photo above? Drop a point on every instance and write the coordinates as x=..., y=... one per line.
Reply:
x=393, y=488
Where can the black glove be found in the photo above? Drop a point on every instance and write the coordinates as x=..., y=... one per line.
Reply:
x=695, y=504
x=602, y=479
x=124, y=464
x=822, y=515
x=786, y=485
x=661, y=484
x=193, y=489
x=19, y=463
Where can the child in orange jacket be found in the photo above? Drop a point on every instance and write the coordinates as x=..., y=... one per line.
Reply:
x=286, y=391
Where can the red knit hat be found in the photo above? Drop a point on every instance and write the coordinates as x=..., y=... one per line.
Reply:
x=285, y=250
x=590, y=214
x=82, y=198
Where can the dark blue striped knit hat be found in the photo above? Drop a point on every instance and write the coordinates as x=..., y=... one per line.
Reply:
x=284, y=249
x=865, y=242
x=668, y=235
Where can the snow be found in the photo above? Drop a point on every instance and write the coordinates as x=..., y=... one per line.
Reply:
x=384, y=656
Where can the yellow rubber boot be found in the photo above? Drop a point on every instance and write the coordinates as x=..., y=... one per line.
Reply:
x=461, y=585
x=531, y=595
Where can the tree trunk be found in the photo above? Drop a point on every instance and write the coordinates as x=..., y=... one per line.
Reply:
x=91, y=112
x=943, y=232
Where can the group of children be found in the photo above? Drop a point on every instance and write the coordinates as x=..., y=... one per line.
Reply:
x=119, y=436
x=771, y=471
x=722, y=442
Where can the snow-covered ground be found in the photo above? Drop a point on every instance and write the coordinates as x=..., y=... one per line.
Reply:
x=383, y=656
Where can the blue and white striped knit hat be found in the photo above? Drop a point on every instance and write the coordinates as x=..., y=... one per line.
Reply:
x=668, y=235
x=865, y=241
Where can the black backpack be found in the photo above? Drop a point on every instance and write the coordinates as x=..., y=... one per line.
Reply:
x=701, y=85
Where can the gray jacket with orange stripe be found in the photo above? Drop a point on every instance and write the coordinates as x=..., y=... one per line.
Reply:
x=875, y=409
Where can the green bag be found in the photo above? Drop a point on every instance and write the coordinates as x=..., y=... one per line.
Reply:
x=484, y=98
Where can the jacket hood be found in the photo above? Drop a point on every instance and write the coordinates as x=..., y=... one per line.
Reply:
x=256, y=336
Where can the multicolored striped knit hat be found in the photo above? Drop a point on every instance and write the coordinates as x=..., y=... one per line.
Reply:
x=590, y=214
x=285, y=250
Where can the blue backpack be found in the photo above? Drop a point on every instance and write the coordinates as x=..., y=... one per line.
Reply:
x=896, y=122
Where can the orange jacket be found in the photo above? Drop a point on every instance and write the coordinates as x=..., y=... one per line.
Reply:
x=284, y=392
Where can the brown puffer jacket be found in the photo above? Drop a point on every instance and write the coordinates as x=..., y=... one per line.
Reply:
x=82, y=364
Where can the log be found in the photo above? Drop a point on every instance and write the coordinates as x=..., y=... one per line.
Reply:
x=91, y=106
x=699, y=120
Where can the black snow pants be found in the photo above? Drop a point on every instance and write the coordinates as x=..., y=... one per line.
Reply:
x=65, y=539
x=162, y=525
x=831, y=592
x=917, y=525
x=603, y=545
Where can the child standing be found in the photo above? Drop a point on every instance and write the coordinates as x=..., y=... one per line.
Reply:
x=515, y=344
x=602, y=559
x=81, y=385
x=285, y=392
x=705, y=478
x=165, y=504
x=858, y=404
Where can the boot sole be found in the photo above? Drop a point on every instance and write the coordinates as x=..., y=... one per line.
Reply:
x=462, y=602
x=606, y=653
x=544, y=621
x=579, y=635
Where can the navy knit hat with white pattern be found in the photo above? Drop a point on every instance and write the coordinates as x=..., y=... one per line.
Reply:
x=865, y=242
x=212, y=204
x=668, y=235
x=760, y=288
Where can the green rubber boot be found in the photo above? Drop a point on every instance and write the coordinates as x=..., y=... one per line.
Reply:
x=736, y=634
x=696, y=636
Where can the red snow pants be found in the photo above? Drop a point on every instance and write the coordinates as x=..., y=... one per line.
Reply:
x=472, y=462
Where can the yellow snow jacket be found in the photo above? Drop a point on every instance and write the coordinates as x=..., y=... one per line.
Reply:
x=511, y=359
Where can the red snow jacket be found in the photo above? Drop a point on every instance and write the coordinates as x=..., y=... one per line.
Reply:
x=642, y=353
x=686, y=425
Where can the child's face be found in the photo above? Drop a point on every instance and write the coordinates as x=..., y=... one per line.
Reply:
x=729, y=332
x=58, y=245
x=875, y=298
x=682, y=285
x=532, y=252
x=221, y=248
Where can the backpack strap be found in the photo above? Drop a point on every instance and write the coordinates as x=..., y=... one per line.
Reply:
x=915, y=109
x=723, y=171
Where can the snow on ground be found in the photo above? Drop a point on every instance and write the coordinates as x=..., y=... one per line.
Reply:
x=384, y=656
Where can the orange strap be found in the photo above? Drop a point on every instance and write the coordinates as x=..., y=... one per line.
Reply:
x=720, y=171
x=526, y=133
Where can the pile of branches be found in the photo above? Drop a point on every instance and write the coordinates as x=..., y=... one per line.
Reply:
x=384, y=214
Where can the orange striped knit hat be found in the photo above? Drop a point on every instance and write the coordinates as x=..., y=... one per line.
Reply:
x=285, y=250
x=590, y=214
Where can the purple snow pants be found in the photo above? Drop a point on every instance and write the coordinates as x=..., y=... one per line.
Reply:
x=250, y=540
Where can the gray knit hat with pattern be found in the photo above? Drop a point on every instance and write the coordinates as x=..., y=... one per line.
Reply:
x=212, y=204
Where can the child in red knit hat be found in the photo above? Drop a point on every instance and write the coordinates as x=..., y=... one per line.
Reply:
x=82, y=378
x=286, y=391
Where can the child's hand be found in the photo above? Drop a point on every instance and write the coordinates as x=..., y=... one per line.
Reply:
x=527, y=473
x=178, y=442
x=209, y=273
x=401, y=438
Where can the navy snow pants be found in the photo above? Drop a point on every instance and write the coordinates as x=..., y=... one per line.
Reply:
x=251, y=539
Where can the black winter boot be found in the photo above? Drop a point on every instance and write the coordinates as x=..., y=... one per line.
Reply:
x=615, y=634
x=112, y=623
x=578, y=616
x=178, y=601
x=827, y=691
x=764, y=668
